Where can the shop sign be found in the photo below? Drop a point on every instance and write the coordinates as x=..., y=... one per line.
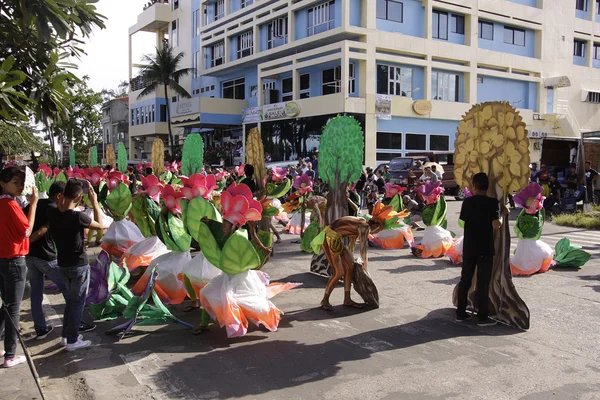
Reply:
x=422, y=107
x=252, y=114
x=185, y=107
x=292, y=109
x=537, y=134
x=383, y=106
x=537, y=145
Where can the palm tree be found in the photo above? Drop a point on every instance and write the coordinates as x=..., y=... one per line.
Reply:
x=162, y=70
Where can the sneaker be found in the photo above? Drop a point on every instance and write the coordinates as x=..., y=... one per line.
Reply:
x=63, y=341
x=11, y=362
x=79, y=344
x=486, y=322
x=86, y=327
x=462, y=317
x=44, y=334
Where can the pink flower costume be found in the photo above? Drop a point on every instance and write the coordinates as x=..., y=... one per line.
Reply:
x=436, y=239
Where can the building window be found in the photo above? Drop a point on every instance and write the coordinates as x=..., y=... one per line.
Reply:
x=332, y=80
x=457, y=24
x=445, y=86
x=163, y=113
x=486, y=30
x=219, y=9
x=579, y=48
x=390, y=10
x=439, y=142
x=581, y=5
x=174, y=99
x=321, y=18
x=245, y=44
x=152, y=115
x=269, y=85
x=235, y=89
x=596, y=51
x=389, y=140
x=416, y=141
x=598, y=7
x=174, y=33
x=137, y=116
x=439, y=25
x=196, y=23
x=287, y=89
x=132, y=117
x=277, y=33
x=514, y=36
x=195, y=65
x=396, y=81
x=216, y=54
x=593, y=97
x=175, y=4
x=246, y=3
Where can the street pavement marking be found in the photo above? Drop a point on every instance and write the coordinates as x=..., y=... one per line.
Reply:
x=149, y=370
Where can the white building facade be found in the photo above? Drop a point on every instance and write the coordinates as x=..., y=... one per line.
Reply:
x=407, y=70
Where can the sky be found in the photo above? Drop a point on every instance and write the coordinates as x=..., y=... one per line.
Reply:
x=107, y=60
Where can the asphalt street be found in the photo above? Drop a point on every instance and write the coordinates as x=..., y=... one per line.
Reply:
x=410, y=348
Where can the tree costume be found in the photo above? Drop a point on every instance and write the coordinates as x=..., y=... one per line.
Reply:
x=436, y=239
x=394, y=237
x=492, y=138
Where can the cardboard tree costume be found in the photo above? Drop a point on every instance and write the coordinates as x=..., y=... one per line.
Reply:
x=436, y=239
x=122, y=158
x=492, y=138
x=394, y=237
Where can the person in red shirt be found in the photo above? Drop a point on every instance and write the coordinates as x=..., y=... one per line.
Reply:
x=14, y=246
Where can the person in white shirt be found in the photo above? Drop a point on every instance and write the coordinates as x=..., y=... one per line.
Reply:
x=428, y=175
x=436, y=172
x=572, y=153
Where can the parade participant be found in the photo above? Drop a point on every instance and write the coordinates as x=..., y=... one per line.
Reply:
x=249, y=178
x=481, y=215
x=66, y=227
x=340, y=256
x=14, y=231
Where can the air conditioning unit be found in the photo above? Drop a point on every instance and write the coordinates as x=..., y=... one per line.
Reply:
x=270, y=96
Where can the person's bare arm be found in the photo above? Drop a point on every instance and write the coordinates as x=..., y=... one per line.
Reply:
x=32, y=209
x=97, y=222
x=363, y=235
x=37, y=235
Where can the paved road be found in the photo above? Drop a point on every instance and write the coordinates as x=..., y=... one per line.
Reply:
x=410, y=348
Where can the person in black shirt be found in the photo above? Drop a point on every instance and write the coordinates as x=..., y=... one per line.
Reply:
x=572, y=181
x=67, y=226
x=353, y=202
x=481, y=215
x=249, y=180
x=591, y=175
x=380, y=182
x=554, y=195
x=41, y=260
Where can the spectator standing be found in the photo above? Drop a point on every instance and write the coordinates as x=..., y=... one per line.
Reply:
x=572, y=182
x=315, y=163
x=534, y=173
x=387, y=176
x=555, y=193
x=66, y=227
x=310, y=172
x=14, y=246
x=591, y=176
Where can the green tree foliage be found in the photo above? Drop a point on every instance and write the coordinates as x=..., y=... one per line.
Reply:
x=192, y=155
x=162, y=72
x=19, y=139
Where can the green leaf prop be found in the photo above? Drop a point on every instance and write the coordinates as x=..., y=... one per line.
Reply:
x=309, y=234
x=397, y=203
x=238, y=255
x=266, y=238
x=192, y=155
x=94, y=157
x=279, y=190
x=189, y=288
x=164, y=234
x=568, y=256
x=42, y=183
x=166, y=176
x=208, y=244
x=529, y=226
x=62, y=177
x=122, y=158
x=145, y=212
x=178, y=233
x=119, y=201
x=72, y=157
x=270, y=212
x=221, y=185
x=461, y=223
x=435, y=214
x=197, y=209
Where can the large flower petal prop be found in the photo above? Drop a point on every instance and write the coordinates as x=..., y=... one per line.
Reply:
x=151, y=186
x=115, y=178
x=430, y=192
x=46, y=170
x=171, y=199
x=292, y=202
x=279, y=174
x=238, y=206
x=56, y=171
x=303, y=184
x=174, y=166
x=95, y=175
x=240, y=170
x=74, y=173
x=392, y=190
x=198, y=185
x=530, y=198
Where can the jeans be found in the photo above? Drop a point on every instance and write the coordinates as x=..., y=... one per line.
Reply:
x=38, y=270
x=77, y=280
x=13, y=274
x=483, y=264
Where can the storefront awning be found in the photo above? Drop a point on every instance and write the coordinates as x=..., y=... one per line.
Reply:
x=186, y=120
x=558, y=81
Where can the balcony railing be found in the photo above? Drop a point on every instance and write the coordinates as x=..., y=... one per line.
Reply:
x=139, y=83
x=153, y=2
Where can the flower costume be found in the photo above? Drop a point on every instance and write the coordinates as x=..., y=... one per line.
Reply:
x=436, y=239
x=394, y=237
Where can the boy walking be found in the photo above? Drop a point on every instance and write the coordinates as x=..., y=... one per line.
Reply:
x=66, y=226
x=481, y=215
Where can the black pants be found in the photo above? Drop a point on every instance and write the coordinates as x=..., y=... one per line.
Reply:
x=13, y=274
x=484, y=275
